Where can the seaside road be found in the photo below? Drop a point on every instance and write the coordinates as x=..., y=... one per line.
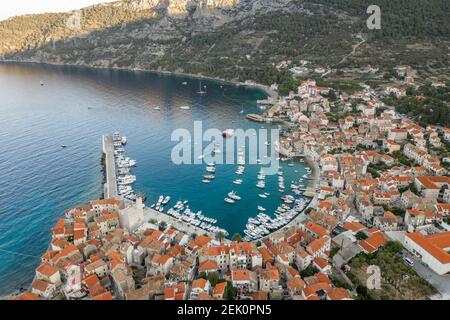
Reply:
x=150, y=213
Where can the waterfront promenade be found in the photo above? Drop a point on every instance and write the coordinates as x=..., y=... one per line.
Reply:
x=110, y=187
x=151, y=214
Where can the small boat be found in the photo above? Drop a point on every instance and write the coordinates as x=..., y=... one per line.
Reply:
x=166, y=200
x=156, y=108
x=228, y=200
x=261, y=208
x=124, y=140
x=261, y=185
x=63, y=146
x=233, y=195
x=206, y=181
x=201, y=91
x=209, y=177
x=290, y=165
x=211, y=169
x=237, y=181
x=42, y=83
x=262, y=195
x=184, y=83
x=185, y=108
x=228, y=133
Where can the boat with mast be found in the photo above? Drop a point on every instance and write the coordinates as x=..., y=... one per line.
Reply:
x=200, y=89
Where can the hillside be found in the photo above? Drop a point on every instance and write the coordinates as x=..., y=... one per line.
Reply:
x=235, y=39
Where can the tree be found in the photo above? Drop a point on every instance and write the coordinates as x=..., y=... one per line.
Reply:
x=220, y=236
x=237, y=237
x=230, y=292
x=162, y=226
x=309, y=271
x=361, y=236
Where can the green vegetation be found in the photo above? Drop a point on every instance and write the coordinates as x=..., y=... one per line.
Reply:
x=398, y=281
x=427, y=104
x=247, y=47
x=340, y=283
x=397, y=211
x=361, y=235
x=220, y=236
x=401, y=158
x=162, y=226
x=230, y=292
x=237, y=237
x=309, y=271
x=348, y=86
x=333, y=251
x=213, y=278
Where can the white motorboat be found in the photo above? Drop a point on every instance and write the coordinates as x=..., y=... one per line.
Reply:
x=261, y=208
x=228, y=200
x=211, y=169
x=237, y=181
x=262, y=195
x=261, y=185
x=124, y=140
x=232, y=195
x=209, y=177
x=166, y=200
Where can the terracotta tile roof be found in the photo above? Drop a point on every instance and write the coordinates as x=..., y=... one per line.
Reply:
x=317, y=244
x=26, y=296
x=91, y=280
x=295, y=284
x=322, y=263
x=372, y=243
x=260, y=295
x=199, y=284
x=208, y=265
x=354, y=226
x=240, y=275
x=339, y=294
x=435, y=245
x=202, y=240
x=219, y=289
x=316, y=229
x=40, y=285
x=46, y=269
x=103, y=296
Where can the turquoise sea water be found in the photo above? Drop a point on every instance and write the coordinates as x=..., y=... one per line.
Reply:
x=39, y=179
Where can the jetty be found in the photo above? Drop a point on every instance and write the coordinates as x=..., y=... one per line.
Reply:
x=255, y=117
x=110, y=186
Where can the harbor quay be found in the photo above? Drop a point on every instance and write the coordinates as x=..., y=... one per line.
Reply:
x=110, y=187
x=151, y=214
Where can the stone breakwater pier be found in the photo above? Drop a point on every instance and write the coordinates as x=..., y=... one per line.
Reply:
x=110, y=186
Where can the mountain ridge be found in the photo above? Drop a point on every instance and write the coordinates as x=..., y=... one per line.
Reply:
x=229, y=39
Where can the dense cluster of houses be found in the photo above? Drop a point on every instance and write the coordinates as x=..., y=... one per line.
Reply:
x=366, y=192
x=377, y=169
x=94, y=255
